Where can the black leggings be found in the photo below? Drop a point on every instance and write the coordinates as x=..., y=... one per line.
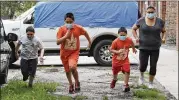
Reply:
x=144, y=57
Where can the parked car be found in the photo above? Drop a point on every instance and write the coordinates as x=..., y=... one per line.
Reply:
x=6, y=52
x=101, y=20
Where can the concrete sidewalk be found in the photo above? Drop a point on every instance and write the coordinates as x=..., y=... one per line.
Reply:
x=167, y=70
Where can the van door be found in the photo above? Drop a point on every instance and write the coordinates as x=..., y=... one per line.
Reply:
x=91, y=31
x=4, y=50
x=48, y=36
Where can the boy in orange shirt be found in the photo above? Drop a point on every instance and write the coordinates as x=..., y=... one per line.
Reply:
x=68, y=37
x=120, y=61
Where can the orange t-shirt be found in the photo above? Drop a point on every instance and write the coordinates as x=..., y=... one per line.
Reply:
x=121, y=59
x=73, y=43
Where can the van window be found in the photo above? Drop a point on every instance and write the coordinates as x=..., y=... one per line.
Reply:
x=29, y=21
x=23, y=15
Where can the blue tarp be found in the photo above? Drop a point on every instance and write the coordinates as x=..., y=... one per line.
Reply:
x=88, y=14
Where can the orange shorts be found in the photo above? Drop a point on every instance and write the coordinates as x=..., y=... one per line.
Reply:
x=69, y=60
x=117, y=68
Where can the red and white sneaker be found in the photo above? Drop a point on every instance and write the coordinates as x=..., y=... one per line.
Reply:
x=126, y=88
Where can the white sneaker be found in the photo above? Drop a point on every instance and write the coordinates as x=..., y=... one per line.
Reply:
x=151, y=86
x=141, y=81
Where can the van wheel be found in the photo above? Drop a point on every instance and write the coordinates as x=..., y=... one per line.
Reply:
x=3, y=76
x=101, y=53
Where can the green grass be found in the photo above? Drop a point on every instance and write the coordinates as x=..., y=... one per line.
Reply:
x=120, y=77
x=141, y=87
x=105, y=98
x=81, y=97
x=18, y=90
x=143, y=93
x=149, y=95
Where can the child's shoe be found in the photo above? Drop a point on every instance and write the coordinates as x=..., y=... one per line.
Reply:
x=113, y=83
x=71, y=89
x=77, y=87
x=126, y=88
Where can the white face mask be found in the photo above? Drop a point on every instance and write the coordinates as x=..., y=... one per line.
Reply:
x=69, y=26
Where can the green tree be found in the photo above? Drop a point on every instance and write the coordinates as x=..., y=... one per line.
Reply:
x=11, y=8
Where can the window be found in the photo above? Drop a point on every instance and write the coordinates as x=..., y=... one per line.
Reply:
x=29, y=19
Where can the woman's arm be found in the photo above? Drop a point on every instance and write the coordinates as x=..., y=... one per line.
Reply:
x=134, y=28
x=163, y=35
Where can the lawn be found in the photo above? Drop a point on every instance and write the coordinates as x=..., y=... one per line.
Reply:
x=144, y=93
x=18, y=90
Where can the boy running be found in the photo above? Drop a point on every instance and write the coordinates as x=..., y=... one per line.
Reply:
x=120, y=61
x=68, y=37
x=29, y=54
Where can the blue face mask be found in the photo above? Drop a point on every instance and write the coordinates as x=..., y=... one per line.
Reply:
x=122, y=38
x=150, y=15
x=69, y=26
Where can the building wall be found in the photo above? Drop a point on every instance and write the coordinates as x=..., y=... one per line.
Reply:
x=171, y=21
x=177, y=27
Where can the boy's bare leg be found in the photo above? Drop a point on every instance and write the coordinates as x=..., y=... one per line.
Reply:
x=68, y=74
x=126, y=78
x=75, y=75
x=113, y=82
x=71, y=87
x=77, y=83
x=115, y=77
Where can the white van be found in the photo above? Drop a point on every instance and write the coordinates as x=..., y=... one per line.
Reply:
x=101, y=20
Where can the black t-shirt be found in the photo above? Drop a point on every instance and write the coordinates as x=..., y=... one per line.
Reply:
x=149, y=36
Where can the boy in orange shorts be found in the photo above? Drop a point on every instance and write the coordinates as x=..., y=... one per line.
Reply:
x=120, y=61
x=68, y=37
